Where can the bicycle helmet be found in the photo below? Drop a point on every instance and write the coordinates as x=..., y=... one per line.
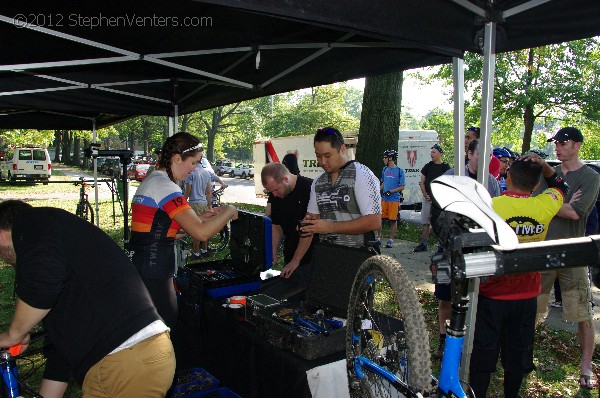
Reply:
x=539, y=152
x=513, y=154
x=501, y=153
x=390, y=153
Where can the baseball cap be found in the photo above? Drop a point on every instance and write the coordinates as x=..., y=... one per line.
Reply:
x=437, y=148
x=566, y=134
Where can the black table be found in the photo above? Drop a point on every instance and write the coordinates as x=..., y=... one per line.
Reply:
x=244, y=362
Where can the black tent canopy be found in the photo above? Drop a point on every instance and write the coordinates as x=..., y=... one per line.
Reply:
x=66, y=64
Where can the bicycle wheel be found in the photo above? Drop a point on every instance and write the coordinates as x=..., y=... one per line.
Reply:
x=386, y=325
x=85, y=211
x=220, y=240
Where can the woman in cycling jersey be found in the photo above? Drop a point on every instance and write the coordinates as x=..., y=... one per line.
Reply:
x=159, y=210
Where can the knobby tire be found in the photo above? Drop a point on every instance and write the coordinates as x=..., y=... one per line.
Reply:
x=383, y=294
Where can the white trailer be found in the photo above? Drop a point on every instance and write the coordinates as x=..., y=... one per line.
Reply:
x=414, y=152
x=273, y=150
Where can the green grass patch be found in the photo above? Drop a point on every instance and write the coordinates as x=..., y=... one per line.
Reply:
x=557, y=353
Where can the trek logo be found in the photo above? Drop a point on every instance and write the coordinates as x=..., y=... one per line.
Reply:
x=411, y=156
x=525, y=226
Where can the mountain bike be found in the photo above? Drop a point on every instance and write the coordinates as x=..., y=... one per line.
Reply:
x=16, y=367
x=387, y=344
x=84, y=208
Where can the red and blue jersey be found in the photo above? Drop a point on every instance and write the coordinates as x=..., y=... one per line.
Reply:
x=153, y=228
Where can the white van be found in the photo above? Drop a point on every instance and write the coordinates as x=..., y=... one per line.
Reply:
x=414, y=152
x=26, y=163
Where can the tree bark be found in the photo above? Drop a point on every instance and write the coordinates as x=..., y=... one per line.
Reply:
x=528, y=116
x=57, y=144
x=67, y=139
x=380, y=119
x=76, y=146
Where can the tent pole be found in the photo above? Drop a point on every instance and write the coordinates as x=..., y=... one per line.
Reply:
x=176, y=118
x=458, y=80
x=170, y=123
x=487, y=100
x=95, y=164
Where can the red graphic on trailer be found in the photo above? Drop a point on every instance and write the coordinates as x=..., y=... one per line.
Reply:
x=271, y=154
x=411, y=156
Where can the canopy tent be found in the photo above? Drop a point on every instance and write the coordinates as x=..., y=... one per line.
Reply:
x=58, y=71
x=65, y=64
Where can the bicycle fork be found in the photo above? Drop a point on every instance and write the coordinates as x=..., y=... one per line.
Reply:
x=449, y=383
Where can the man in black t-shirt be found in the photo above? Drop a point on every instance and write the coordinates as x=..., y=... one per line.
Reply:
x=430, y=172
x=289, y=195
x=95, y=308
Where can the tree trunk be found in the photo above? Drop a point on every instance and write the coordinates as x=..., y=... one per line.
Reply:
x=528, y=117
x=67, y=139
x=185, y=119
x=76, y=146
x=57, y=144
x=86, y=161
x=380, y=119
x=528, y=121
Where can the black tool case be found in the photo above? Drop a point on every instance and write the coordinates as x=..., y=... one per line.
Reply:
x=250, y=254
x=334, y=269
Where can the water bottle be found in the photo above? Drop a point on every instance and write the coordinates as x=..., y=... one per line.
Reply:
x=9, y=376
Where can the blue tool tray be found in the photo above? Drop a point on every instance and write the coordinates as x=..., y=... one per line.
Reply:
x=250, y=254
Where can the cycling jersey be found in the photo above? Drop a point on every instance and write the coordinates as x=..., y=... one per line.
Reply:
x=355, y=193
x=153, y=228
x=529, y=216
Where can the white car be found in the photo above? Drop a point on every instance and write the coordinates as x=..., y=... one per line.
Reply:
x=243, y=171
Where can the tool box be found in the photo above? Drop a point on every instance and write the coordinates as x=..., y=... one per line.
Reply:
x=249, y=254
x=315, y=327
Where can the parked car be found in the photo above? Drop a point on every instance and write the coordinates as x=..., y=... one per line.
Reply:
x=223, y=167
x=243, y=171
x=138, y=171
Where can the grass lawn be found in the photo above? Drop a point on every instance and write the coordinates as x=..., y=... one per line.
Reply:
x=556, y=352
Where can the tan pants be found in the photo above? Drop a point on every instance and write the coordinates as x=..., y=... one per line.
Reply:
x=144, y=370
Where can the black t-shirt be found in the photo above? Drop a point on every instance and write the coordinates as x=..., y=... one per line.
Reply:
x=98, y=299
x=431, y=171
x=287, y=211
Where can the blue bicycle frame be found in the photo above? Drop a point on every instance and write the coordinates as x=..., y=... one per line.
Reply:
x=9, y=376
x=449, y=383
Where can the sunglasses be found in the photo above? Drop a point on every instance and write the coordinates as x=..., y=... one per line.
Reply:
x=329, y=131
x=197, y=147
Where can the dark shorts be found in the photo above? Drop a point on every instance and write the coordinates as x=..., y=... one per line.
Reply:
x=443, y=292
x=505, y=329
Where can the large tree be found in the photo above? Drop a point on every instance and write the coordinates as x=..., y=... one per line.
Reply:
x=535, y=89
x=380, y=119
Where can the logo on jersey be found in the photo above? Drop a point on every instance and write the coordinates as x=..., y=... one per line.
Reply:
x=525, y=226
x=411, y=156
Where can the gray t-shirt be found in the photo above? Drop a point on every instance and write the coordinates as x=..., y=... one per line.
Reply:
x=354, y=194
x=588, y=181
x=198, y=180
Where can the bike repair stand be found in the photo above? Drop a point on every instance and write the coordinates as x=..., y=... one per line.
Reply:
x=125, y=156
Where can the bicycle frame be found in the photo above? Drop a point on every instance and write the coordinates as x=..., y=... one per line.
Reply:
x=8, y=368
x=471, y=253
